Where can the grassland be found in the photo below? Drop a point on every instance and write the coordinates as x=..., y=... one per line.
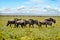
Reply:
x=36, y=33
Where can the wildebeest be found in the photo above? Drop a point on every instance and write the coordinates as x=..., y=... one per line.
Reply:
x=48, y=21
x=23, y=23
x=12, y=21
x=20, y=22
x=31, y=22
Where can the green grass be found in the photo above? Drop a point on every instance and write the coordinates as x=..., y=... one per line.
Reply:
x=36, y=33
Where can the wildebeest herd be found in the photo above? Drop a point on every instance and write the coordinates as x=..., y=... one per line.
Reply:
x=31, y=22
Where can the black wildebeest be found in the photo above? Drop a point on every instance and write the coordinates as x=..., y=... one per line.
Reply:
x=31, y=22
x=23, y=23
x=48, y=21
x=20, y=22
x=12, y=21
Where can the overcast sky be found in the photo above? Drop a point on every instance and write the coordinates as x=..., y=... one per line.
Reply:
x=30, y=7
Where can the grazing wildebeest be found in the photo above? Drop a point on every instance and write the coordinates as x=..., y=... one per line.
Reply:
x=12, y=21
x=31, y=22
x=47, y=22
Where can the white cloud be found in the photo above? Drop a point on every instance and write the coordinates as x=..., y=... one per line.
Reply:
x=11, y=10
x=33, y=10
x=21, y=7
x=49, y=8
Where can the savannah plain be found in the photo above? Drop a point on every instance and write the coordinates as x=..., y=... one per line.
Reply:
x=36, y=33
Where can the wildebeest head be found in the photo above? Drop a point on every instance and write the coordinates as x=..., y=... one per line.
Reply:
x=53, y=20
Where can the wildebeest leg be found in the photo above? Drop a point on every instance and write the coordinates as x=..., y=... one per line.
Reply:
x=10, y=25
x=29, y=25
x=25, y=25
x=32, y=25
x=51, y=25
x=17, y=25
x=7, y=24
x=22, y=26
x=46, y=25
x=40, y=25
